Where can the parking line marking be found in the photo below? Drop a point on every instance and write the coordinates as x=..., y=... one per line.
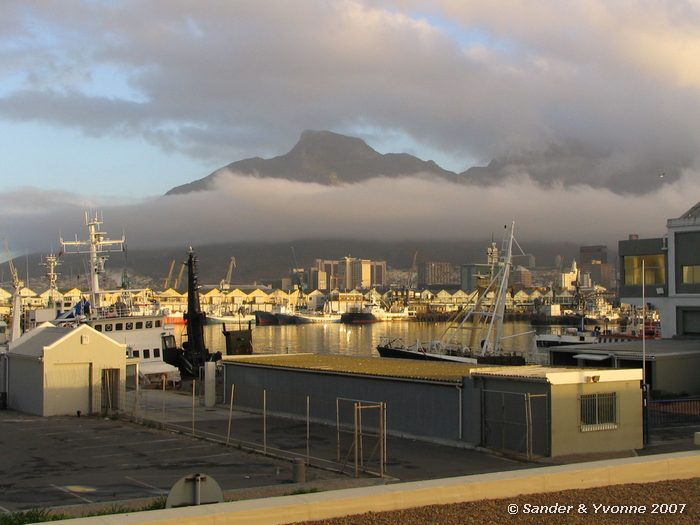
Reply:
x=63, y=489
x=147, y=485
x=6, y=511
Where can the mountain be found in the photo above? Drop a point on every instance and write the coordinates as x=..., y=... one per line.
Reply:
x=326, y=158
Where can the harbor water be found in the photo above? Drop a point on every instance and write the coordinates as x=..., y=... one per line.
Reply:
x=354, y=340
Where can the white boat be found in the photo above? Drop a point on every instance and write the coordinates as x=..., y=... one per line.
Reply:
x=139, y=328
x=242, y=319
x=566, y=337
x=316, y=317
x=484, y=322
x=382, y=314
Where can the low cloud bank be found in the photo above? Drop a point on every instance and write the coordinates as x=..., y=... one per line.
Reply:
x=245, y=208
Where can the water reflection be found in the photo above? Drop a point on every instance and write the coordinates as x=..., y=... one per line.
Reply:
x=341, y=339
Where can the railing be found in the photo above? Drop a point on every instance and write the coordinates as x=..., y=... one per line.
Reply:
x=674, y=412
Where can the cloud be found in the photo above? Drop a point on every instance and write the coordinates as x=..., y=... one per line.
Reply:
x=609, y=91
x=245, y=208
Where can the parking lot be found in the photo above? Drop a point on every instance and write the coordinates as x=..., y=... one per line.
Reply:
x=60, y=461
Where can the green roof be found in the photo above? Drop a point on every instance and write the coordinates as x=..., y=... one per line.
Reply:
x=369, y=366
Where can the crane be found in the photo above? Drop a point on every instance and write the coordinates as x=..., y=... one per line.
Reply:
x=225, y=283
x=18, y=284
x=166, y=281
x=178, y=279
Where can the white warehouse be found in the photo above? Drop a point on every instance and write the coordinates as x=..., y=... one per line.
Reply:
x=62, y=371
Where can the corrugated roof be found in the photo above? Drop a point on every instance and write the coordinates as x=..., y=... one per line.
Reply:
x=527, y=371
x=32, y=343
x=653, y=348
x=371, y=366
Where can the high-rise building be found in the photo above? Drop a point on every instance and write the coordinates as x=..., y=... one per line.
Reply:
x=594, y=261
x=433, y=273
x=349, y=274
x=521, y=276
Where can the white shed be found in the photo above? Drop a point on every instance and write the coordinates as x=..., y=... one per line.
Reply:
x=59, y=371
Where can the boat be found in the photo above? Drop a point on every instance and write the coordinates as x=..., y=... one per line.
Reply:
x=140, y=328
x=263, y=318
x=230, y=318
x=362, y=316
x=316, y=317
x=484, y=322
x=566, y=337
x=172, y=318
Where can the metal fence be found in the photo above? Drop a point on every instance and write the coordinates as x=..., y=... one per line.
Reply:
x=669, y=412
x=260, y=427
x=515, y=422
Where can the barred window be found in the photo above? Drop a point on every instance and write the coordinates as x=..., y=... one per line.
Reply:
x=598, y=412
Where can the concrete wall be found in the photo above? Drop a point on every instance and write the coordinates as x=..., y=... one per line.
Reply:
x=414, y=408
x=567, y=437
x=25, y=389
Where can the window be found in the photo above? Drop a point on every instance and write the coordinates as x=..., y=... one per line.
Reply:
x=134, y=353
x=108, y=327
x=139, y=325
x=654, y=270
x=149, y=324
x=691, y=274
x=146, y=354
x=598, y=412
x=98, y=327
x=156, y=353
x=119, y=326
x=129, y=326
x=158, y=323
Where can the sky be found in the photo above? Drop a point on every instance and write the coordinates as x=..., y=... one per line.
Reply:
x=588, y=110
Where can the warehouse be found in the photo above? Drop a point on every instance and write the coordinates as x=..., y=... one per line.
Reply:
x=60, y=371
x=510, y=409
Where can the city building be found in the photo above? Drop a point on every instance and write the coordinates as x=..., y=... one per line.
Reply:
x=671, y=276
x=347, y=274
x=521, y=276
x=594, y=262
x=434, y=273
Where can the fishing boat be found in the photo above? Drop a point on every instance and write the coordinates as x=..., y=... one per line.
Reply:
x=484, y=322
x=139, y=327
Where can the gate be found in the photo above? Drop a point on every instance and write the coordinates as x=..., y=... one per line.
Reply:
x=110, y=391
x=361, y=435
x=515, y=422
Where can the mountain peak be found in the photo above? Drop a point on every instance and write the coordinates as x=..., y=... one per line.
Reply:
x=324, y=157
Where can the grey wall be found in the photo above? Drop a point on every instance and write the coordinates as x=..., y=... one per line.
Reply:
x=687, y=246
x=26, y=386
x=429, y=410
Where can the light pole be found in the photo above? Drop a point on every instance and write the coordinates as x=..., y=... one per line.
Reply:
x=645, y=386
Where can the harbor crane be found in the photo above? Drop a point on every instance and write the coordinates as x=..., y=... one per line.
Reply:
x=17, y=285
x=225, y=283
x=166, y=281
x=178, y=279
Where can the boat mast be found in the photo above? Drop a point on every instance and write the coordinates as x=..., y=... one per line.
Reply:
x=97, y=244
x=495, y=331
x=51, y=262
